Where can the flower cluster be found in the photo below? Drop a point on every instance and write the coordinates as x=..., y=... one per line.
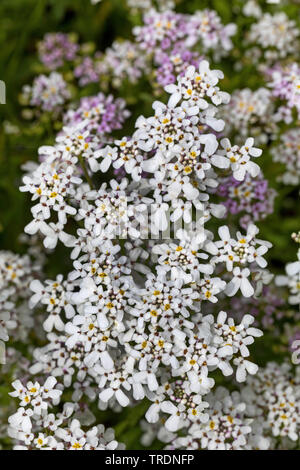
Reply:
x=48, y=93
x=146, y=282
x=116, y=329
x=122, y=62
x=170, y=38
x=276, y=35
x=273, y=400
x=16, y=273
x=101, y=113
x=288, y=153
x=34, y=427
x=226, y=426
x=292, y=278
x=268, y=309
x=55, y=183
x=55, y=49
x=253, y=7
x=251, y=112
x=251, y=199
x=284, y=82
x=266, y=408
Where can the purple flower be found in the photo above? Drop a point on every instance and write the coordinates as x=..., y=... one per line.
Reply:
x=55, y=49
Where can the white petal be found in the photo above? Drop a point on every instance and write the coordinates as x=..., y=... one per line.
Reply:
x=105, y=395
x=246, y=288
x=122, y=398
x=174, y=99
x=172, y=423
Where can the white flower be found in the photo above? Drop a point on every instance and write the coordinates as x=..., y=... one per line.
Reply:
x=21, y=419
x=194, y=86
x=238, y=158
x=240, y=281
x=292, y=280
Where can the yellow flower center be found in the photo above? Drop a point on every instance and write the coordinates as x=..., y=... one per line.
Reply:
x=76, y=445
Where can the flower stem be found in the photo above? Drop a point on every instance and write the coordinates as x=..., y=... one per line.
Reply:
x=86, y=174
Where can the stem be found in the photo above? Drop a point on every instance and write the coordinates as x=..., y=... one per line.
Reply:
x=88, y=178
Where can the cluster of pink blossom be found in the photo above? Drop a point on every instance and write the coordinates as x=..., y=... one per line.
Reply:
x=284, y=81
x=48, y=93
x=102, y=114
x=173, y=40
x=252, y=198
x=56, y=49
